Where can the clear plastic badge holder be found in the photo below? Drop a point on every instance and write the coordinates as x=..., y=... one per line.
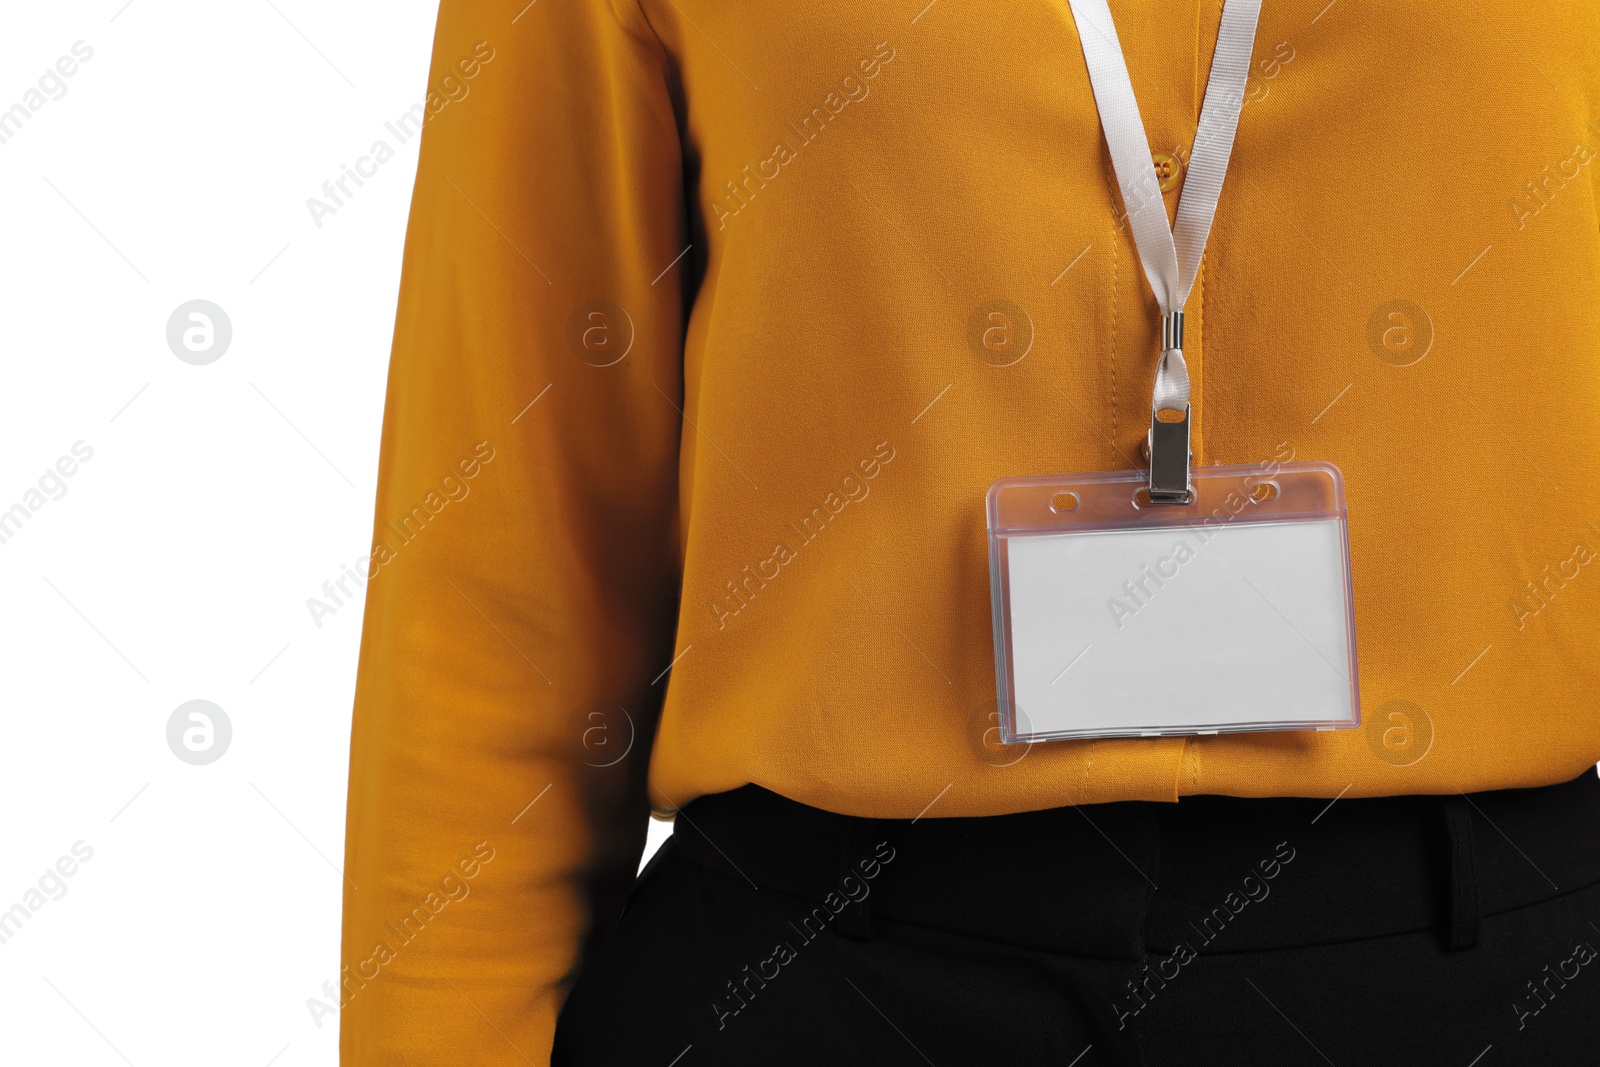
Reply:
x=1116, y=617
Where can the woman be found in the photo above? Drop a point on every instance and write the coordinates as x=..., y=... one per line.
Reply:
x=718, y=322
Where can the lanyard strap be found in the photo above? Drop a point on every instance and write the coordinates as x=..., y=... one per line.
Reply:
x=1171, y=257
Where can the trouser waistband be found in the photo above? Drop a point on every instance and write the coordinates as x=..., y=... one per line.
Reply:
x=1117, y=880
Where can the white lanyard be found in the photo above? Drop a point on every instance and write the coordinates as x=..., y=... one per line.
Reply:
x=1171, y=257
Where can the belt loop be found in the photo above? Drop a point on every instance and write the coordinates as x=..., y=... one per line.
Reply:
x=1462, y=922
x=855, y=921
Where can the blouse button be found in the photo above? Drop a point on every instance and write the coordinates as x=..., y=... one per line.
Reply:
x=1169, y=170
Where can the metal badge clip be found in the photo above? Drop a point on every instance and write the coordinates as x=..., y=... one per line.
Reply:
x=1169, y=459
x=1169, y=435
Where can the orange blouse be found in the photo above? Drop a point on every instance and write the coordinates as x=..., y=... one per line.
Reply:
x=717, y=322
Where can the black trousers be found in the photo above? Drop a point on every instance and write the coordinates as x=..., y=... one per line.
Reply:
x=1460, y=930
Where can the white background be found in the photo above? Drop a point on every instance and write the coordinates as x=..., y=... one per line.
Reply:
x=176, y=563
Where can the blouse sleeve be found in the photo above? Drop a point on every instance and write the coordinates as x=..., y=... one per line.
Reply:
x=524, y=573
